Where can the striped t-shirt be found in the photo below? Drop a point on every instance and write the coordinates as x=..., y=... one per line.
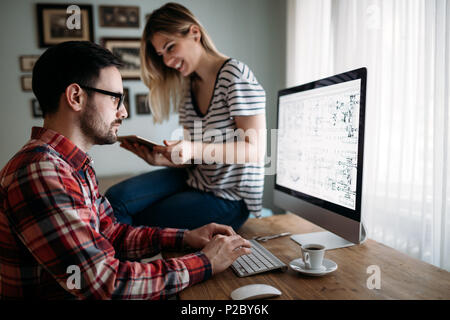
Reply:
x=236, y=93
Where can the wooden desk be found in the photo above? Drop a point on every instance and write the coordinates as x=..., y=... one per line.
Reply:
x=402, y=277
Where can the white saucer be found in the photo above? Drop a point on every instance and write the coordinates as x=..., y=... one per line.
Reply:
x=328, y=267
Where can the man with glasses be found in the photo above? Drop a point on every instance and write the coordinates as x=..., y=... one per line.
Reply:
x=58, y=235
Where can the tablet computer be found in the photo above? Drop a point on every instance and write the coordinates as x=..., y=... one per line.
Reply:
x=136, y=139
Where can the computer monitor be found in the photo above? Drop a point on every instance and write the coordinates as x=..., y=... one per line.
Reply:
x=319, y=156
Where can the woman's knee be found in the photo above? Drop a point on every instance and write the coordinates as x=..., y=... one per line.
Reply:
x=240, y=218
x=120, y=211
x=112, y=191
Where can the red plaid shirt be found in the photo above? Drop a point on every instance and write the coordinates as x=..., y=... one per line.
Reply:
x=55, y=226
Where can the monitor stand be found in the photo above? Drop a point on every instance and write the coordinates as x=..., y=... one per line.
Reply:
x=327, y=239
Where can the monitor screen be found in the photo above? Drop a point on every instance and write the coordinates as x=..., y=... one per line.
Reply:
x=319, y=142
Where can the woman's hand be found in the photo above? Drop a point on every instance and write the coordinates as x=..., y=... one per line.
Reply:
x=179, y=152
x=153, y=157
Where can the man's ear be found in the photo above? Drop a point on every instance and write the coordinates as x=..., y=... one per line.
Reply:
x=75, y=97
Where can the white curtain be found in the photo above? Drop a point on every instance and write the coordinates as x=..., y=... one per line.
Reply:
x=405, y=45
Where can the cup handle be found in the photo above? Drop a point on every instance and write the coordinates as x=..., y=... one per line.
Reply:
x=307, y=260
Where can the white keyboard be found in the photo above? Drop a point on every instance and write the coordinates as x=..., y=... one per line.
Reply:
x=260, y=260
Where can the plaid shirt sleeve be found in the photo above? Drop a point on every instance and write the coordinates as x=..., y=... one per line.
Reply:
x=136, y=242
x=48, y=214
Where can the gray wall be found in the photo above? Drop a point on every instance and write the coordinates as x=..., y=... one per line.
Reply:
x=253, y=31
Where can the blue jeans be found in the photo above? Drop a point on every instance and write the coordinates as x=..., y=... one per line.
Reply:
x=161, y=198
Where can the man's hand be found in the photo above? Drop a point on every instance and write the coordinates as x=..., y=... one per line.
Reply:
x=199, y=238
x=219, y=243
x=223, y=250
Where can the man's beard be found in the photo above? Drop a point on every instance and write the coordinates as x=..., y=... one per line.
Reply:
x=94, y=129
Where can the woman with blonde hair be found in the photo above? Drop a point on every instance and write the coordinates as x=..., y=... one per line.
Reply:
x=216, y=172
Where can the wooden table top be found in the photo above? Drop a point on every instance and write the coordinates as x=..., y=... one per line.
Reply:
x=402, y=277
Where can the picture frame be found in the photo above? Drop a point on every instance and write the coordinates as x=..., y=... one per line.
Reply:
x=126, y=101
x=127, y=50
x=27, y=62
x=142, y=106
x=54, y=21
x=119, y=16
x=26, y=82
x=36, y=109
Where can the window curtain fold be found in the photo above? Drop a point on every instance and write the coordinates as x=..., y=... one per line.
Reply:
x=405, y=45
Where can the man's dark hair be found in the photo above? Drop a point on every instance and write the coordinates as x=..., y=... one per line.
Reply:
x=66, y=63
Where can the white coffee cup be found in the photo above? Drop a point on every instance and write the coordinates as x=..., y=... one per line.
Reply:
x=313, y=256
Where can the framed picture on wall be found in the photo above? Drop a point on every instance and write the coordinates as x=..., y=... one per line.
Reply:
x=36, y=109
x=142, y=106
x=26, y=83
x=60, y=22
x=119, y=16
x=127, y=50
x=27, y=62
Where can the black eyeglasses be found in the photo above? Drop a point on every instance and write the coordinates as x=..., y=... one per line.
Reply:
x=121, y=96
